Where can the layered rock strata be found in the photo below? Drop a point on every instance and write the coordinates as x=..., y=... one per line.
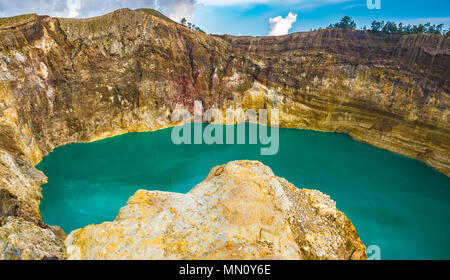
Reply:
x=79, y=80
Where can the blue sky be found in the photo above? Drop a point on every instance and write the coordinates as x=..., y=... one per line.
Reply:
x=248, y=17
x=252, y=18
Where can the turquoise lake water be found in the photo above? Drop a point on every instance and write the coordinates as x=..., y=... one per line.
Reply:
x=396, y=203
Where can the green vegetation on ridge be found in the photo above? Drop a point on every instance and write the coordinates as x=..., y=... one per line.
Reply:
x=155, y=13
x=190, y=25
x=391, y=27
x=184, y=22
x=16, y=20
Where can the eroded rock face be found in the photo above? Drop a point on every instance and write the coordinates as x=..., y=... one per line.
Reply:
x=240, y=211
x=20, y=191
x=79, y=80
x=23, y=240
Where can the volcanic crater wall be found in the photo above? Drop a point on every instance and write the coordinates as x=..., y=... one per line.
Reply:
x=79, y=80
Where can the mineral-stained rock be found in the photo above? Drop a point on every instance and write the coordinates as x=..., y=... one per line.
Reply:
x=240, y=211
x=79, y=80
x=23, y=240
x=20, y=190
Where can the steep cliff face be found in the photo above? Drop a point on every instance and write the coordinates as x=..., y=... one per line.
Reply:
x=77, y=80
x=240, y=211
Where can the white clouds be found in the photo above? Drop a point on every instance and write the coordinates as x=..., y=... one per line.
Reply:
x=176, y=9
x=73, y=6
x=298, y=3
x=232, y=2
x=58, y=8
x=280, y=25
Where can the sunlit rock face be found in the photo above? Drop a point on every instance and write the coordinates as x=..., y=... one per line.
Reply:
x=23, y=240
x=79, y=80
x=72, y=80
x=240, y=211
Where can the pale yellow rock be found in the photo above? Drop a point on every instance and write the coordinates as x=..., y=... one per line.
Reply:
x=240, y=211
x=78, y=80
x=23, y=240
x=20, y=190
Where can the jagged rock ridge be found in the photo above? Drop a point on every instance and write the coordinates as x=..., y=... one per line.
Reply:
x=78, y=80
x=240, y=211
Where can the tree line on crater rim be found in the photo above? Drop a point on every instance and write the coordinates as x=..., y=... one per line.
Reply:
x=390, y=27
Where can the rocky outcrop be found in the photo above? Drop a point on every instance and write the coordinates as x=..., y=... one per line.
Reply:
x=79, y=80
x=23, y=240
x=240, y=211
